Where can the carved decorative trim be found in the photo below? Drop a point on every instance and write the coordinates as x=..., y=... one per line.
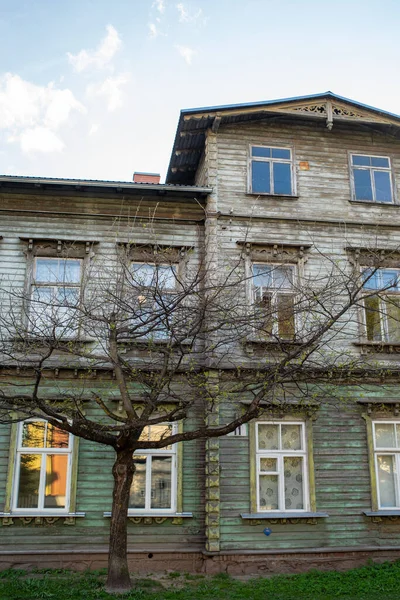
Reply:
x=14, y=519
x=265, y=251
x=319, y=109
x=377, y=347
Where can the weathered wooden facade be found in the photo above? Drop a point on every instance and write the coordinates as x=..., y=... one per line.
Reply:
x=288, y=181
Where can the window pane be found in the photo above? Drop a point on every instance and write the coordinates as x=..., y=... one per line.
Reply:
x=384, y=435
x=361, y=160
x=33, y=434
x=386, y=484
x=56, y=480
x=70, y=271
x=282, y=178
x=291, y=437
x=265, y=315
x=390, y=279
x=166, y=277
x=286, y=325
x=154, y=433
x=268, y=490
x=393, y=319
x=29, y=477
x=66, y=296
x=283, y=277
x=280, y=153
x=260, y=177
x=383, y=190
x=56, y=438
x=47, y=270
x=398, y=434
x=260, y=151
x=161, y=476
x=362, y=184
x=262, y=275
x=143, y=275
x=371, y=279
x=137, y=496
x=293, y=470
x=373, y=319
x=268, y=437
x=379, y=162
x=268, y=464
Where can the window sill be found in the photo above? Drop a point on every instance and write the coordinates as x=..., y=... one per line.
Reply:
x=272, y=342
x=40, y=518
x=285, y=515
x=368, y=347
x=374, y=203
x=378, y=515
x=143, y=342
x=155, y=518
x=279, y=196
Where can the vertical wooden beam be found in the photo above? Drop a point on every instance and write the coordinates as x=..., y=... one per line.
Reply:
x=212, y=465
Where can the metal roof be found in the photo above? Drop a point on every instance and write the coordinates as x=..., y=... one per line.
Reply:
x=22, y=182
x=194, y=122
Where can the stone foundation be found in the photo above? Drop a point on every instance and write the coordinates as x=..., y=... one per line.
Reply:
x=235, y=564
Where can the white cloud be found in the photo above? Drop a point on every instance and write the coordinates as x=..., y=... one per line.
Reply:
x=40, y=139
x=186, y=53
x=185, y=16
x=31, y=113
x=153, y=32
x=94, y=129
x=110, y=88
x=160, y=5
x=99, y=58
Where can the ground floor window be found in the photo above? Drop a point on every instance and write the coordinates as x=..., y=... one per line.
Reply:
x=154, y=483
x=386, y=443
x=281, y=466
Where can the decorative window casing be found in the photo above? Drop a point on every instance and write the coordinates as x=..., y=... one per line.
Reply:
x=155, y=288
x=382, y=311
x=386, y=457
x=282, y=482
x=274, y=300
x=372, y=179
x=271, y=171
x=155, y=482
x=42, y=477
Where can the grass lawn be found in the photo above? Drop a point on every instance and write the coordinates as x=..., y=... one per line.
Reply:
x=372, y=582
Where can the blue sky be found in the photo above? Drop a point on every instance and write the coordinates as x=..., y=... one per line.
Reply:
x=92, y=89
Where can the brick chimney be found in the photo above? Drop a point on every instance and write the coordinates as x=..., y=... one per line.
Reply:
x=146, y=177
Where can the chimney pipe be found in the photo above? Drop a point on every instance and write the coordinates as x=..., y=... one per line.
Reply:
x=139, y=177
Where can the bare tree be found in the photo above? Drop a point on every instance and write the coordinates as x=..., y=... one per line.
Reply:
x=163, y=332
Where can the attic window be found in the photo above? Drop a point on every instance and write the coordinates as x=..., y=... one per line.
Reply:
x=271, y=171
x=371, y=178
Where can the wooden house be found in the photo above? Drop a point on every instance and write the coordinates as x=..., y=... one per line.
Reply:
x=278, y=182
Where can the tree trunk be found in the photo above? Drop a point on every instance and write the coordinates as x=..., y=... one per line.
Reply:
x=118, y=580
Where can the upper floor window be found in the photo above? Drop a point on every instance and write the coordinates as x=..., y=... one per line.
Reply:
x=156, y=287
x=42, y=469
x=372, y=179
x=154, y=483
x=273, y=297
x=386, y=437
x=271, y=171
x=281, y=454
x=382, y=311
x=55, y=296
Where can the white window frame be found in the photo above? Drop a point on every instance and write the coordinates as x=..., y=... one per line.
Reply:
x=279, y=455
x=383, y=318
x=387, y=452
x=54, y=285
x=271, y=160
x=42, y=482
x=173, y=452
x=274, y=292
x=371, y=168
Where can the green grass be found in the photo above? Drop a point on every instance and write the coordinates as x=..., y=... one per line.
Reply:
x=367, y=583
